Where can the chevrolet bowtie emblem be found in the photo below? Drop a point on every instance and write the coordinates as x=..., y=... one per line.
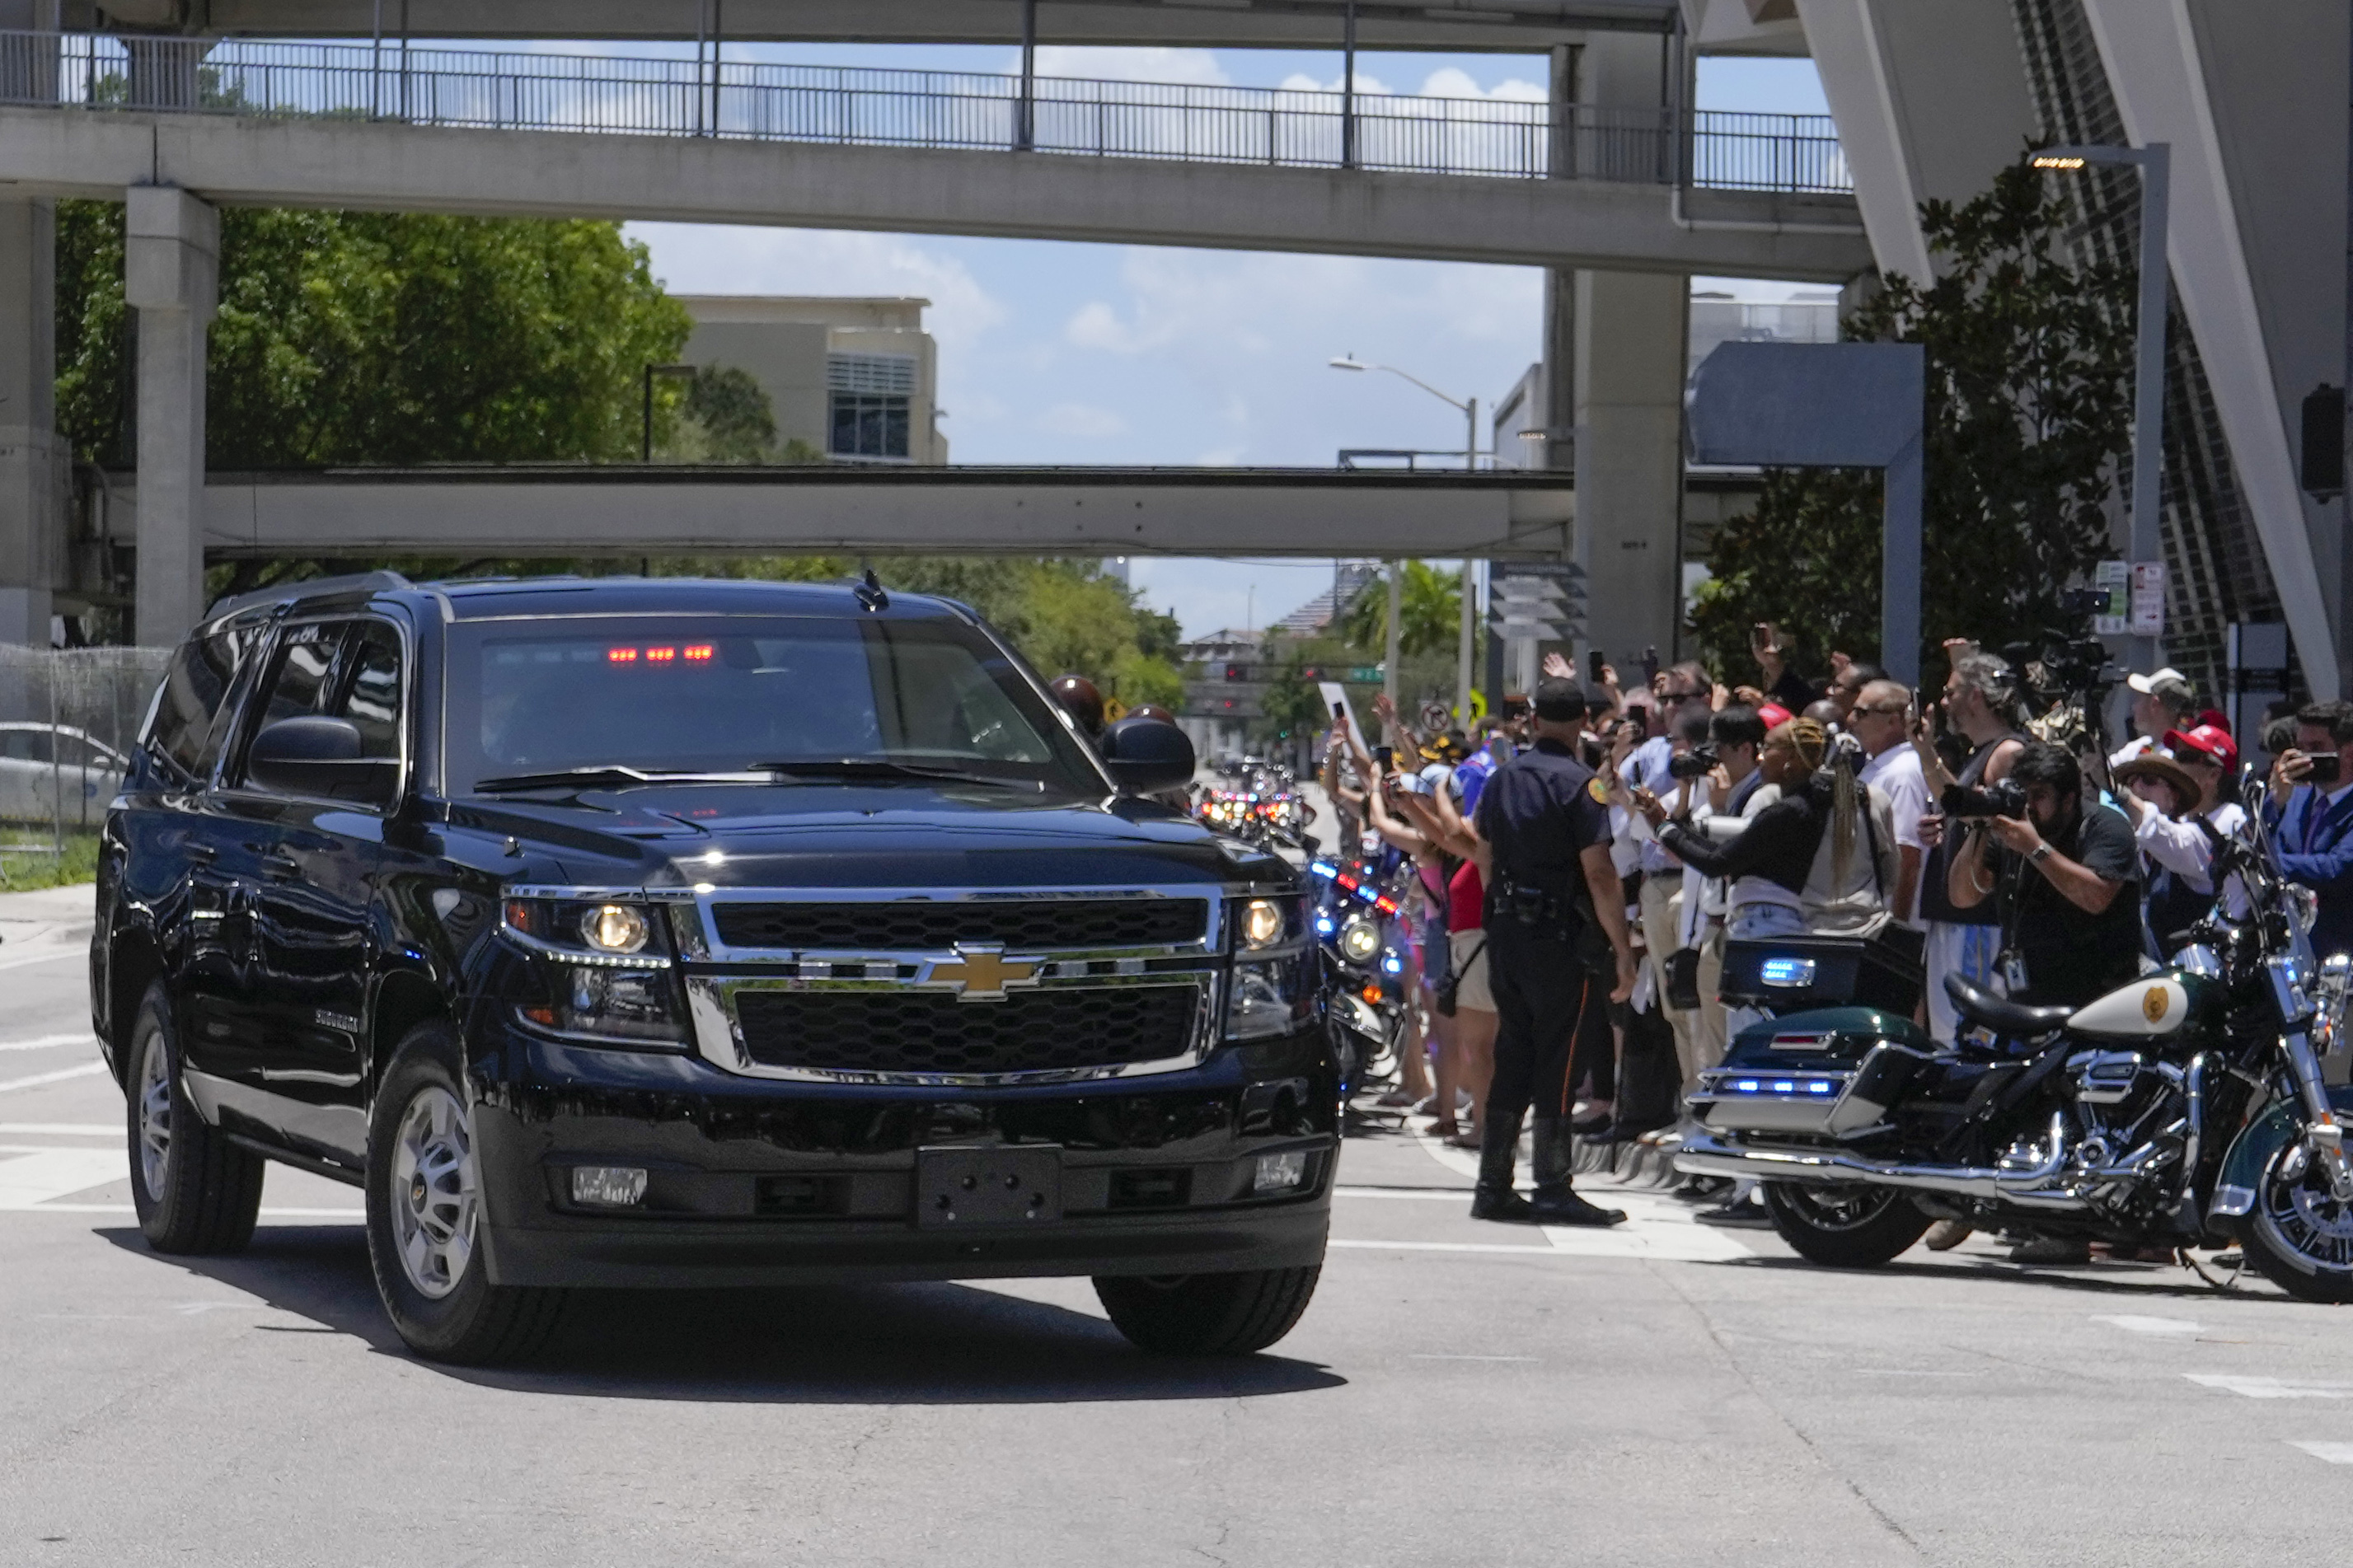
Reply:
x=982, y=974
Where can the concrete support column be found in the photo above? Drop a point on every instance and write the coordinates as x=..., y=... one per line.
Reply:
x=32, y=465
x=1631, y=329
x=172, y=277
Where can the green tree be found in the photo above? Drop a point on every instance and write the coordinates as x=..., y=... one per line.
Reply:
x=737, y=421
x=2029, y=361
x=1429, y=615
x=391, y=338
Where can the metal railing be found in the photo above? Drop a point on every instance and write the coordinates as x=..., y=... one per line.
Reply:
x=878, y=108
x=69, y=720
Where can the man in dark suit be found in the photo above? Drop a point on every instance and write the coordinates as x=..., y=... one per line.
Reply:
x=2310, y=814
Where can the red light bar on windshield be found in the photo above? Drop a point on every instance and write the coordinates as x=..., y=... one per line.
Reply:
x=692, y=653
x=621, y=654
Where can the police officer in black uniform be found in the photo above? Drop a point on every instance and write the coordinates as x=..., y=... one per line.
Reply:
x=1558, y=954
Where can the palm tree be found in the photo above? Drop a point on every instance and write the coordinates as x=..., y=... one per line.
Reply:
x=1430, y=612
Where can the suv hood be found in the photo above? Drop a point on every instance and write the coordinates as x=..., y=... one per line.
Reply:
x=901, y=835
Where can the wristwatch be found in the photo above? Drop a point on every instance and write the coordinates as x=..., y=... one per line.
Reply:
x=2040, y=853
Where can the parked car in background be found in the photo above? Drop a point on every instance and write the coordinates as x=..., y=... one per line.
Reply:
x=54, y=771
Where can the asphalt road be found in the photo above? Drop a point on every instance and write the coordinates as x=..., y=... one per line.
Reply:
x=1458, y=1392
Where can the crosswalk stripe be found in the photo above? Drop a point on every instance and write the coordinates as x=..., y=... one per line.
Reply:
x=88, y=1070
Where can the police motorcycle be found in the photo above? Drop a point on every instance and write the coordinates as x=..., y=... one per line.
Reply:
x=2185, y=1109
x=1364, y=967
x=1259, y=802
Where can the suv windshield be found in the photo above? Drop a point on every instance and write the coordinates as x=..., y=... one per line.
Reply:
x=726, y=693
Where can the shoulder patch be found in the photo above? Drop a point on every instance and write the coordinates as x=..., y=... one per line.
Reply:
x=1598, y=790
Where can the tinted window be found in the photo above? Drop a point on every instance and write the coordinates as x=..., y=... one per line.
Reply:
x=371, y=698
x=189, y=722
x=726, y=693
x=296, y=682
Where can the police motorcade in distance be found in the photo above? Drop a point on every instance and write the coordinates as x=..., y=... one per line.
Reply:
x=2185, y=1108
x=630, y=932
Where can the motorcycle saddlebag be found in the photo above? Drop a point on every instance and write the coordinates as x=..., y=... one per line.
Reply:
x=1783, y=973
x=1829, y=1074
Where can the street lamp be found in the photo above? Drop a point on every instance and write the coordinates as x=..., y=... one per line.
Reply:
x=1470, y=464
x=2155, y=163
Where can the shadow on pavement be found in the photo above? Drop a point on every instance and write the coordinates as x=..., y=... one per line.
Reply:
x=2139, y=1279
x=841, y=1344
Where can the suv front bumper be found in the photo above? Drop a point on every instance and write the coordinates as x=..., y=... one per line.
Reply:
x=759, y=1182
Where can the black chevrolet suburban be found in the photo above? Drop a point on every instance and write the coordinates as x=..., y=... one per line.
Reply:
x=655, y=932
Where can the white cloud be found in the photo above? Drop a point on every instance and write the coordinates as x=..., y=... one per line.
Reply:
x=1097, y=326
x=1300, y=82
x=712, y=259
x=1452, y=81
x=1081, y=421
x=1193, y=67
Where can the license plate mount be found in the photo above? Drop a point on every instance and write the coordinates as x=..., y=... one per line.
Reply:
x=966, y=1187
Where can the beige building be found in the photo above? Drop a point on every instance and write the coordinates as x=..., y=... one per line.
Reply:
x=856, y=378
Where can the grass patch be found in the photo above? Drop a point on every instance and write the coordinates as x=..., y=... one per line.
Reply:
x=22, y=873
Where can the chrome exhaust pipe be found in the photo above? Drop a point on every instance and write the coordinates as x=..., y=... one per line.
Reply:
x=1704, y=1154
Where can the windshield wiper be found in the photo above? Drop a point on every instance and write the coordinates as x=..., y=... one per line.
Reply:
x=583, y=778
x=886, y=768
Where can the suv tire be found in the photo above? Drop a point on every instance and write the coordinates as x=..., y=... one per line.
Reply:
x=195, y=1191
x=1207, y=1314
x=424, y=1217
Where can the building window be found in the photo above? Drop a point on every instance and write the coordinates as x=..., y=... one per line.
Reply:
x=871, y=394
x=869, y=424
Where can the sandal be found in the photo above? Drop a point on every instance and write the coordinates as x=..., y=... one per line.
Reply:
x=1467, y=1138
x=1443, y=1130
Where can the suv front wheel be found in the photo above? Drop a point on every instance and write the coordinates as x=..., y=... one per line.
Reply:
x=195, y=1191
x=1207, y=1314
x=424, y=1217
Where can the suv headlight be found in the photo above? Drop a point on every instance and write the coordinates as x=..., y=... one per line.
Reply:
x=1270, y=993
x=606, y=968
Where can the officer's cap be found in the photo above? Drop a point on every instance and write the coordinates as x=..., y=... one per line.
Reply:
x=1559, y=700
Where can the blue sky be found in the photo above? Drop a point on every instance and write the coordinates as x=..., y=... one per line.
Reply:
x=1056, y=352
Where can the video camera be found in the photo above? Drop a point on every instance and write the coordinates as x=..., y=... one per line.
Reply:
x=1696, y=763
x=2064, y=666
x=2003, y=797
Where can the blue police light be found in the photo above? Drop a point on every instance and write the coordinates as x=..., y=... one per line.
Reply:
x=1786, y=970
x=1322, y=925
x=1392, y=963
x=1821, y=1086
x=1323, y=869
x=1367, y=892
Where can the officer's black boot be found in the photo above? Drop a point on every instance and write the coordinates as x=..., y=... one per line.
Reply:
x=1499, y=1149
x=1557, y=1203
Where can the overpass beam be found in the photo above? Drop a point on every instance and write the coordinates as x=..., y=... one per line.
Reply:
x=1631, y=345
x=172, y=278
x=32, y=468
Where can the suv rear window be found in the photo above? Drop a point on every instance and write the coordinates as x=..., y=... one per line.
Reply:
x=189, y=725
x=726, y=693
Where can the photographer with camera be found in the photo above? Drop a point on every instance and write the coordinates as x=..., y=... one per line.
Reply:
x=1981, y=707
x=2310, y=814
x=2063, y=874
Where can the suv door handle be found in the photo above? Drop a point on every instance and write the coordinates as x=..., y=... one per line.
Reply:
x=278, y=865
x=203, y=854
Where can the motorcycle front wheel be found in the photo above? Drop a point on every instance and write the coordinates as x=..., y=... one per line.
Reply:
x=2298, y=1235
x=1843, y=1226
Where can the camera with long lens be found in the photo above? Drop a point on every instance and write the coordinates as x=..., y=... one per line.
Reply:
x=1696, y=763
x=2003, y=797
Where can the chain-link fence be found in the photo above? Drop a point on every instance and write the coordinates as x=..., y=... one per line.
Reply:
x=67, y=721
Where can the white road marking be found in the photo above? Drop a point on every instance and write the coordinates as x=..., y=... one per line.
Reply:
x=57, y=957
x=88, y=1070
x=65, y=1128
x=1656, y=1227
x=2333, y=1453
x=2270, y=1387
x=1425, y=1357
x=28, y=1180
x=2137, y=1325
x=1445, y=1195
x=353, y=1214
x=49, y=1042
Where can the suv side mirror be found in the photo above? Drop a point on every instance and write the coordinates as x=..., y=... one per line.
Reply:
x=1147, y=755
x=319, y=758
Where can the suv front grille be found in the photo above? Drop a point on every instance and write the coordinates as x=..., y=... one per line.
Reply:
x=935, y=926
x=1051, y=1030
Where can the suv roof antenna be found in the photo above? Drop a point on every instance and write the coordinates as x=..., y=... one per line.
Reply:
x=870, y=593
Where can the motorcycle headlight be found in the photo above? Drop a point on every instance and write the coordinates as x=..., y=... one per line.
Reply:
x=1359, y=940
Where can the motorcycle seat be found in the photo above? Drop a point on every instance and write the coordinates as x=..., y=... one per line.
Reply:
x=1999, y=1014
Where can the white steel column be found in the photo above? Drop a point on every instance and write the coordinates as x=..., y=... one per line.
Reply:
x=172, y=277
x=32, y=466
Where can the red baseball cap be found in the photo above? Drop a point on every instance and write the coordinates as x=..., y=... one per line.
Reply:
x=1773, y=714
x=2212, y=744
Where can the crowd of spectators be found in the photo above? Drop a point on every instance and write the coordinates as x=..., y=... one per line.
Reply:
x=1767, y=803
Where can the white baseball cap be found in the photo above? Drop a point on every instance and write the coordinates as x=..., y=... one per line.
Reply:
x=2168, y=676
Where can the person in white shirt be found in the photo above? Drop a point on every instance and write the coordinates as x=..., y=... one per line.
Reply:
x=1881, y=722
x=2174, y=796
x=2162, y=701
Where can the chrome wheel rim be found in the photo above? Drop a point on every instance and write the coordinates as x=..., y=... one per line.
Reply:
x=2301, y=1216
x=154, y=1114
x=434, y=1192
